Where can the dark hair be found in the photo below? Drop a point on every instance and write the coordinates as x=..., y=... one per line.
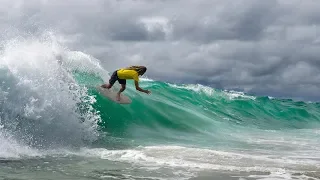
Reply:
x=140, y=69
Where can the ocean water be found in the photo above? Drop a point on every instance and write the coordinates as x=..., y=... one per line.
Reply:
x=55, y=125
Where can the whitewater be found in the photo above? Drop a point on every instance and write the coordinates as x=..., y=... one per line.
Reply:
x=55, y=125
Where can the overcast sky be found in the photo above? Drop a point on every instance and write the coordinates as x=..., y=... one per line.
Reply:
x=266, y=47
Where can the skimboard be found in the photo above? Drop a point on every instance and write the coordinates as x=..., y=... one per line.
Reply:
x=112, y=95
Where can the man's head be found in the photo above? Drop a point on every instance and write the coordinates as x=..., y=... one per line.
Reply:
x=142, y=70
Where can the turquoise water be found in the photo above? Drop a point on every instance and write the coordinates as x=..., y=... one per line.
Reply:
x=197, y=110
x=55, y=124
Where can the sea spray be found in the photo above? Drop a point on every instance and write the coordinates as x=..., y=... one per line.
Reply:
x=41, y=104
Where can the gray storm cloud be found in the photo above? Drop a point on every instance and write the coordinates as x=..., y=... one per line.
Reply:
x=262, y=47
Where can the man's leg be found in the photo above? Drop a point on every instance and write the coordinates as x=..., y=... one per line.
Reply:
x=123, y=87
x=112, y=80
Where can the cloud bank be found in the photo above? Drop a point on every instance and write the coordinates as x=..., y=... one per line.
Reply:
x=262, y=47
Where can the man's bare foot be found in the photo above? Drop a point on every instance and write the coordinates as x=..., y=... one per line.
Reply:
x=118, y=97
x=106, y=86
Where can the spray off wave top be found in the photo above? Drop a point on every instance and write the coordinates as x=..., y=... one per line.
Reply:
x=41, y=105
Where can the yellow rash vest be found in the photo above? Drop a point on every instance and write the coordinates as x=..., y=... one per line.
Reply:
x=128, y=74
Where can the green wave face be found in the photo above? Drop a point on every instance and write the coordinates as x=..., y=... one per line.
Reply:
x=195, y=114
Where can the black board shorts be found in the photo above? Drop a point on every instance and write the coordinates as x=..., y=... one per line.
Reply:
x=114, y=78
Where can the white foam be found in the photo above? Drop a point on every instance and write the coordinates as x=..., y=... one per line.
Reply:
x=209, y=91
x=281, y=175
x=146, y=79
x=41, y=97
x=271, y=97
x=10, y=148
x=196, y=159
x=77, y=60
x=235, y=94
x=195, y=87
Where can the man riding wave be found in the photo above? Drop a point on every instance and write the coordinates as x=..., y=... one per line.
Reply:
x=121, y=75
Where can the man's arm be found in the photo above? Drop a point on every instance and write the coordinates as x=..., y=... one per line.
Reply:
x=136, y=83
